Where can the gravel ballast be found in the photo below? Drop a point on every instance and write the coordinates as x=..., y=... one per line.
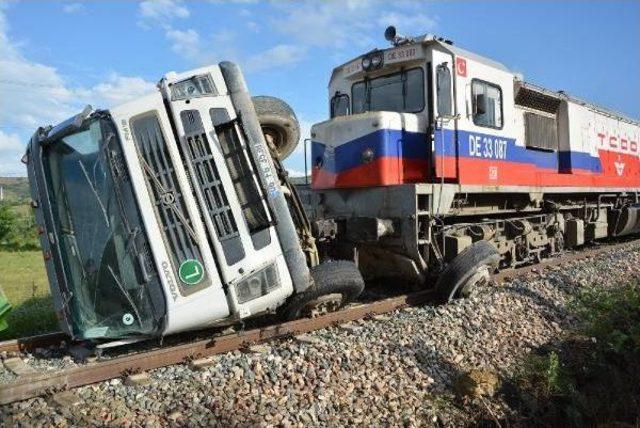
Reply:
x=397, y=369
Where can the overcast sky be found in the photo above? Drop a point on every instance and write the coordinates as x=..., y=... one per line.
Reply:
x=57, y=56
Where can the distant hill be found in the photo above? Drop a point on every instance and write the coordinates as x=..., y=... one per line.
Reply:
x=15, y=189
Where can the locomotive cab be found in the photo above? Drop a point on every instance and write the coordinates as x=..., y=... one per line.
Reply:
x=385, y=107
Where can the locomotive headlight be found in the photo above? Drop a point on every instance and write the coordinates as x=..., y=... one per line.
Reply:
x=257, y=284
x=376, y=61
x=366, y=63
x=367, y=155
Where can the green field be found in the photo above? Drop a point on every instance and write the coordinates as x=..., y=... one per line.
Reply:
x=24, y=281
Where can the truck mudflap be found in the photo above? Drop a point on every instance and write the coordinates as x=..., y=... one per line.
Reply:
x=259, y=152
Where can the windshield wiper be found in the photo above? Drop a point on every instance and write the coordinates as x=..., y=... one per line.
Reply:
x=161, y=190
x=95, y=193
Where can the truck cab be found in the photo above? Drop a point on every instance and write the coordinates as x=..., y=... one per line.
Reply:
x=170, y=213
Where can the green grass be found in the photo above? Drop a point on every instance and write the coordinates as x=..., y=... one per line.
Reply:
x=592, y=376
x=24, y=281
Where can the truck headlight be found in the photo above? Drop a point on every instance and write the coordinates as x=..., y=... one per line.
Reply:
x=257, y=284
x=196, y=86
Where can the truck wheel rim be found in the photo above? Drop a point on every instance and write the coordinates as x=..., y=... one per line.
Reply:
x=480, y=277
x=322, y=305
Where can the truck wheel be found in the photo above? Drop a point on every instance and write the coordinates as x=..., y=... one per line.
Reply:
x=336, y=284
x=471, y=267
x=279, y=124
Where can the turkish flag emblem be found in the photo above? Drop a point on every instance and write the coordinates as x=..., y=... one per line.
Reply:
x=461, y=66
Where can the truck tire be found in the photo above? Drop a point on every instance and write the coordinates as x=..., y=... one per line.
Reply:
x=279, y=124
x=337, y=282
x=469, y=268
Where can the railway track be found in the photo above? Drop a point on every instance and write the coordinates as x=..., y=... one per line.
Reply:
x=31, y=385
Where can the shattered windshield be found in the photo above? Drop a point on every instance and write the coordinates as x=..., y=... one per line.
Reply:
x=113, y=286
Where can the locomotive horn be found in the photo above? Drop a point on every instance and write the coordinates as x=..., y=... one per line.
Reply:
x=390, y=33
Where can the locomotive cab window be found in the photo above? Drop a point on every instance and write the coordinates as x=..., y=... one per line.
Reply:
x=443, y=89
x=487, y=104
x=400, y=92
x=340, y=105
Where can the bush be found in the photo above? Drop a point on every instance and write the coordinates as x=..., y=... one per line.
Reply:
x=7, y=221
x=17, y=228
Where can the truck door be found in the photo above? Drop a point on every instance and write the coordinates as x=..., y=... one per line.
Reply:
x=444, y=141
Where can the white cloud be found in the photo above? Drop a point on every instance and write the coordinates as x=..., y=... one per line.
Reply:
x=342, y=23
x=408, y=24
x=35, y=94
x=162, y=11
x=233, y=1
x=277, y=56
x=253, y=26
x=330, y=23
x=295, y=172
x=119, y=89
x=73, y=7
x=11, y=151
x=185, y=43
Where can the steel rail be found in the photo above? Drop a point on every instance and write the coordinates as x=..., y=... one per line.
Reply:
x=38, y=384
x=31, y=343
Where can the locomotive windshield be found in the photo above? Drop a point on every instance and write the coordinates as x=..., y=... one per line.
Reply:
x=399, y=92
x=113, y=287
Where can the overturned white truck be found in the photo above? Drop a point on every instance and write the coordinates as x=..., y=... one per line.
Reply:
x=173, y=212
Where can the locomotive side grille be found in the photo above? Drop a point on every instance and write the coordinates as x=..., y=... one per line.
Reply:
x=167, y=198
x=541, y=131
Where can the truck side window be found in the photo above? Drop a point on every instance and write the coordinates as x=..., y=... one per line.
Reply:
x=487, y=104
x=443, y=89
x=340, y=105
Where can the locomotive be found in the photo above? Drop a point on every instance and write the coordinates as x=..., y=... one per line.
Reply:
x=438, y=164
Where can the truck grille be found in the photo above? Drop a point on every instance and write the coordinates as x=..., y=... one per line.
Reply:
x=161, y=179
x=197, y=151
x=208, y=179
x=249, y=196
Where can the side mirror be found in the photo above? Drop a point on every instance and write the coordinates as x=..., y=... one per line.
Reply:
x=480, y=104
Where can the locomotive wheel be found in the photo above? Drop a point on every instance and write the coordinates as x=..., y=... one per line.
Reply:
x=336, y=284
x=471, y=267
x=279, y=125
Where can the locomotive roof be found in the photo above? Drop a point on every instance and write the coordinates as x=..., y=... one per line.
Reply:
x=561, y=95
x=430, y=39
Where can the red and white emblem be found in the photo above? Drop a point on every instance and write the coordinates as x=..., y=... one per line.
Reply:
x=461, y=66
x=619, y=167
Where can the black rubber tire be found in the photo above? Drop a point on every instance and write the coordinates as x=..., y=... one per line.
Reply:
x=277, y=118
x=463, y=267
x=331, y=277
